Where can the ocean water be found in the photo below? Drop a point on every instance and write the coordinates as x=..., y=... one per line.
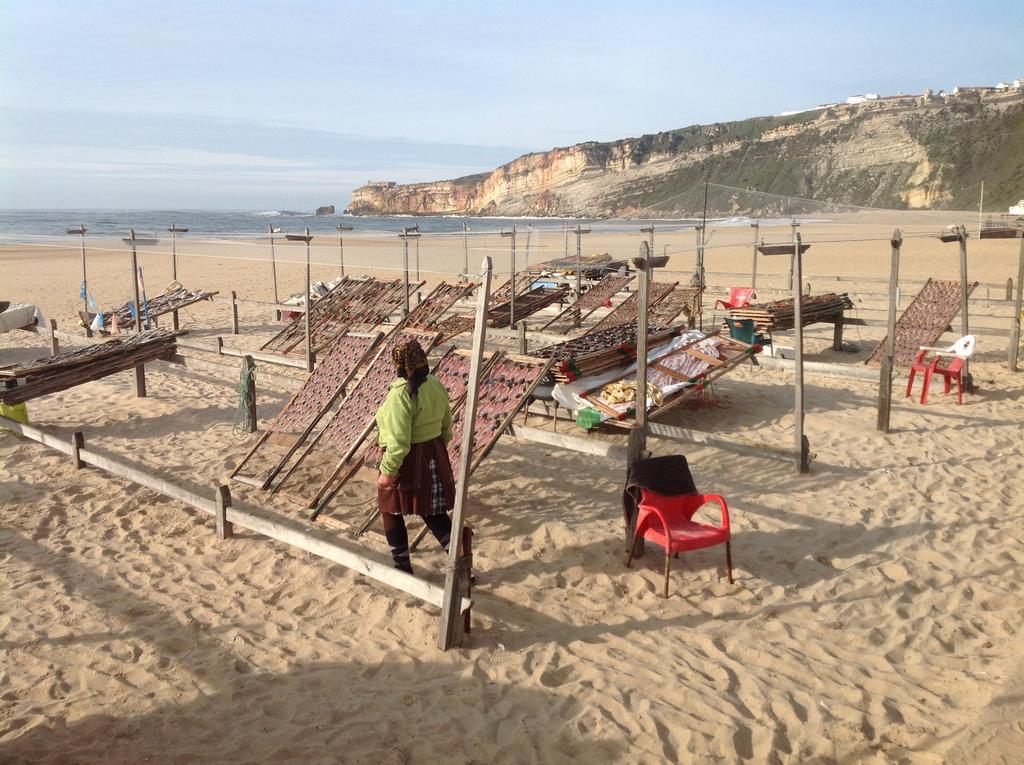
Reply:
x=15, y=224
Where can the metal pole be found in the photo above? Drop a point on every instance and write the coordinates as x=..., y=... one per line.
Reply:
x=964, y=322
x=798, y=408
x=793, y=225
x=309, y=310
x=756, y=225
x=1017, y=308
x=405, y=274
x=273, y=263
x=457, y=573
x=885, y=376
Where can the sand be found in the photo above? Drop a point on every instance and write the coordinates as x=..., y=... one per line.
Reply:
x=875, y=616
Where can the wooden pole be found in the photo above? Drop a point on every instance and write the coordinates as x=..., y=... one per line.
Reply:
x=77, y=444
x=222, y=499
x=309, y=310
x=405, y=274
x=756, y=225
x=54, y=342
x=140, y=381
x=341, y=245
x=512, y=299
x=522, y=338
x=964, y=321
x=250, y=391
x=457, y=574
x=135, y=286
x=465, y=249
x=1017, y=308
x=800, y=445
x=174, y=270
x=885, y=376
x=579, y=259
x=234, y=313
x=273, y=266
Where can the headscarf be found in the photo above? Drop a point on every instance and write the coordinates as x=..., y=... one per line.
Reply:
x=409, y=359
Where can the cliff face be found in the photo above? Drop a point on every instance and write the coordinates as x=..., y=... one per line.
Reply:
x=921, y=152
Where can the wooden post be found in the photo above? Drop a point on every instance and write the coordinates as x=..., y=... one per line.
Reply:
x=222, y=499
x=405, y=275
x=174, y=266
x=234, y=313
x=309, y=310
x=1009, y=289
x=250, y=391
x=341, y=246
x=273, y=267
x=837, y=332
x=140, y=381
x=1017, y=308
x=135, y=286
x=885, y=375
x=964, y=322
x=637, y=447
x=465, y=251
x=457, y=574
x=579, y=259
x=512, y=298
x=522, y=338
x=756, y=225
x=800, y=445
x=54, y=342
x=77, y=444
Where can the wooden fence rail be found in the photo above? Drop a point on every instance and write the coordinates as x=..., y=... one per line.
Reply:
x=290, y=532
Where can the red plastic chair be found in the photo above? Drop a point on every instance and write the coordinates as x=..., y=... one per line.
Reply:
x=668, y=522
x=960, y=351
x=738, y=297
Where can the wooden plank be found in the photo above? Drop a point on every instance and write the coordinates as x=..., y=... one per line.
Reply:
x=225, y=528
x=282, y=530
x=685, y=436
x=143, y=478
x=580, y=444
x=456, y=577
x=885, y=373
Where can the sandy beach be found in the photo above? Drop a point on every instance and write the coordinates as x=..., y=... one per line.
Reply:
x=876, y=614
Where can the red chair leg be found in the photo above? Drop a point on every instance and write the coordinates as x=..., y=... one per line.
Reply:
x=910, y=381
x=728, y=559
x=927, y=385
x=668, y=566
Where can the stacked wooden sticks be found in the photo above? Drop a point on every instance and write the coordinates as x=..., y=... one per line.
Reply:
x=598, y=351
x=71, y=368
x=157, y=306
x=779, y=315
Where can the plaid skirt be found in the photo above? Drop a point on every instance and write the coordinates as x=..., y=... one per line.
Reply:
x=425, y=485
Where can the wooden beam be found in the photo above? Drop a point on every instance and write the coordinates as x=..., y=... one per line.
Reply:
x=225, y=529
x=684, y=436
x=1018, y=306
x=457, y=577
x=885, y=373
x=280, y=529
x=580, y=444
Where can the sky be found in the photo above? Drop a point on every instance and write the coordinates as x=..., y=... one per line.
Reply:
x=253, y=105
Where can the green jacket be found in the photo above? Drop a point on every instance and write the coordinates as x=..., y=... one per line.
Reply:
x=403, y=420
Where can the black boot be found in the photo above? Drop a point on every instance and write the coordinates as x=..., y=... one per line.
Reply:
x=440, y=526
x=398, y=541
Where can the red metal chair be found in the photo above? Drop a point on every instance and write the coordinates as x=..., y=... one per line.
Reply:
x=738, y=297
x=960, y=351
x=668, y=522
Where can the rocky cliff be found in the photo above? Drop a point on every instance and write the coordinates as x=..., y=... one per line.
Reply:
x=913, y=152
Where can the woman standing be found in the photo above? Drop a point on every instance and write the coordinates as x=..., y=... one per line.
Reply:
x=414, y=426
